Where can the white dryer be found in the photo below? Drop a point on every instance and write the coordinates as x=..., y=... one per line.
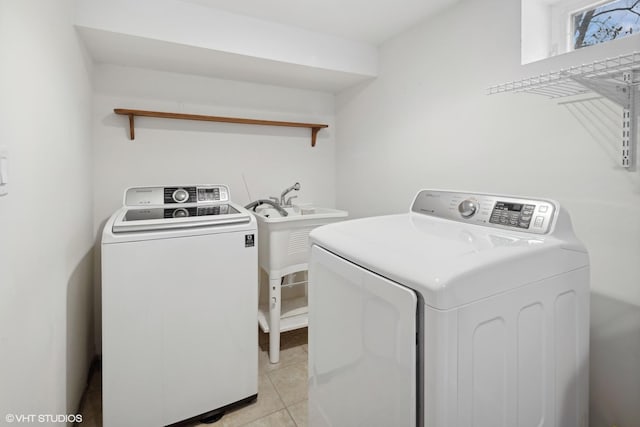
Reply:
x=470, y=310
x=179, y=304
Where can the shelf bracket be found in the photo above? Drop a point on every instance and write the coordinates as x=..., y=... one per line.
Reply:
x=629, y=121
x=615, y=92
x=132, y=131
x=314, y=135
x=624, y=94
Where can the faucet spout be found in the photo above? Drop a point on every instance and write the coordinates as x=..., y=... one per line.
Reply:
x=295, y=187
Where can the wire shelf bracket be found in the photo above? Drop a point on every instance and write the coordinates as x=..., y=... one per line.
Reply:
x=616, y=79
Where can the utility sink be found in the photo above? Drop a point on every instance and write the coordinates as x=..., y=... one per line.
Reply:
x=283, y=254
x=283, y=241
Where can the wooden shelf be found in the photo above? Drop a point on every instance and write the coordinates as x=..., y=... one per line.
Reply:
x=315, y=128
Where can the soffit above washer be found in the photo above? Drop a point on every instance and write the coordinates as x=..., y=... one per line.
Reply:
x=179, y=36
x=132, y=51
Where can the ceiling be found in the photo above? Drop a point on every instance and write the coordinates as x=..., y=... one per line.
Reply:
x=363, y=20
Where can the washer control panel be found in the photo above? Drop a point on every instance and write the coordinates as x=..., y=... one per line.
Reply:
x=507, y=212
x=172, y=195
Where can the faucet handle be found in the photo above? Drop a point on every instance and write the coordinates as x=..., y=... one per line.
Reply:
x=275, y=199
x=288, y=203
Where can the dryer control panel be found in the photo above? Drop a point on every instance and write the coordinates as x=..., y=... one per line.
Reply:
x=176, y=194
x=507, y=212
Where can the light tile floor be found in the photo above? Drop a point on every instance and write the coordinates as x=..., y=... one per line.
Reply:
x=282, y=390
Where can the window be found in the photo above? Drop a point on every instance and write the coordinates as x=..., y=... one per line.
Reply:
x=554, y=27
x=608, y=21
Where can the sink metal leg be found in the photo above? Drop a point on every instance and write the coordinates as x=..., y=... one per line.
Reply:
x=274, y=319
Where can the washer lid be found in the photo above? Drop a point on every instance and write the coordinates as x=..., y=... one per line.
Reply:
x=448, y=262
x=172, y=217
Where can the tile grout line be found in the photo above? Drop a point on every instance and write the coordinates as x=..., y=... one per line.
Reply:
x=262, y=417
x=291, y=416
x=270, y=413
x=278, y=392
x=287, y=406
x=275, y=388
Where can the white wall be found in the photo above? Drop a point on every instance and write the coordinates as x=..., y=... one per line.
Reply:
x=46, y=231
x=426, y=122
x=176, y=152
x=536, y=30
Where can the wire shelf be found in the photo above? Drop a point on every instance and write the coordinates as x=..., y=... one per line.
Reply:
x=615, y=79
x=566, y=82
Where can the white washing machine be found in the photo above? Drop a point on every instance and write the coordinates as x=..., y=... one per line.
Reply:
x=179, y=304
x=470, y=310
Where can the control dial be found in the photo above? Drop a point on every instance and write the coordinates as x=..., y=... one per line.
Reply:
x=180, y=195
x=180, y=213
x=468, y=208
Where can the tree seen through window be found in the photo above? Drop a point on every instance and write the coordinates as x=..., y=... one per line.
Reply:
x=609, y=21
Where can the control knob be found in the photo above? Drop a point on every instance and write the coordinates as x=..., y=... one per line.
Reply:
x=468, y=208
x=180, y=195
x=180, y=213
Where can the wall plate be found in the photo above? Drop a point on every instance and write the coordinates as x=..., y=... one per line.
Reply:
x=4, y=171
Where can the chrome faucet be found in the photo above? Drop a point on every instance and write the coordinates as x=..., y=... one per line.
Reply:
x=287, y=202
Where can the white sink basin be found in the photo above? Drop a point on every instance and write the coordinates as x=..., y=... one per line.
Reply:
x=283, y=241
x=297, y=213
